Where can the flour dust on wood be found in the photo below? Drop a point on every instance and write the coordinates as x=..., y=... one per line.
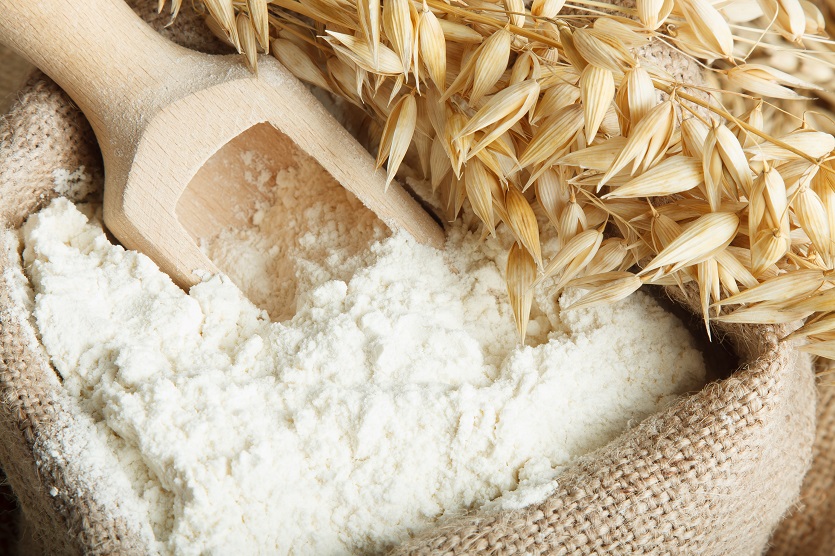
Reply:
x=387, y=392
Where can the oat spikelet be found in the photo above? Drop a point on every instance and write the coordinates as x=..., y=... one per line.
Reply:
x=296, y=60
x=798, y=283
x=432, y=47
x=663, y=231
x=397, y=24
x=555, y=98
x=647, y=142
x=490, y=159
x=693, y=136
x=546, y=8
x=397, y=135
x=727, y=279
x=709, y=26
x=653, y=13
x=674, y=175
x=707, y=234
x=248, y=40
x=754, y=119
x=733, y=158
x=505, y=108
x=572, y=220
x=768, y=81
x=579, y=249
x=815, y=20
x=602, y=50
x=764, y=313
x=439, y=163
x=423, y=148
x=553, y=136
x=821, y=325
x=612, y=292
x=223, y=12
x=515, y=12
x=368, y=13
x=218, y=31
x=709, y=286
x=823, y=301
x=610, y=256
x=570, y=48
x=626, y=32
x=260, y=21
x=491, y=63
x=575, y=267
x=826, y=193
x=768, y=220
x=635, y=98
x=521, y=273
x=465, y=74
x=814, y=144
x=724, y=162
x=459, y=33
x=480, y=184
x=592, y=281
x=811, y=214
x=821, y=349
x=175, y=7
x=522, y=222
x=359, y=52
x=599, y=157
x=526, y=65
x=713, y=171
x=788, y=15
x=597, y=89
x=552, y=194
x=728, y=262
x=768, y=247
x=456, y=198
x=458, y=145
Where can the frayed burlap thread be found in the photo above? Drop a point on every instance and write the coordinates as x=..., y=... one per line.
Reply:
x=711, y=475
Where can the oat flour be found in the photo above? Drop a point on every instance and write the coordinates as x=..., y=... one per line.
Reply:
x=390, y=393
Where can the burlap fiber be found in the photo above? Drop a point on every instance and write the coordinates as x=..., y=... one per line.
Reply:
x=809, y=530
x=13, y=70
x=712, y=475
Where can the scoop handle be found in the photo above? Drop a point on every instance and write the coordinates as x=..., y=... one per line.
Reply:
x=99, y=51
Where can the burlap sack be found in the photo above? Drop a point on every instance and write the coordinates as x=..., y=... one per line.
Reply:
x=713, y=474
x=809, y=529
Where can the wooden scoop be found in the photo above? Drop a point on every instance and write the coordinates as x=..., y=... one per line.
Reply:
x=160, y=111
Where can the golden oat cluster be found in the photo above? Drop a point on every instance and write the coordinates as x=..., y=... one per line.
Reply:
x=549, y=114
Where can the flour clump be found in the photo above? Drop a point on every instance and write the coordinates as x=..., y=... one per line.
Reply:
x=391, y=395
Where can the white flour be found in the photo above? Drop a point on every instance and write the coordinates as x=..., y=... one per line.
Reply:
x=394, y=396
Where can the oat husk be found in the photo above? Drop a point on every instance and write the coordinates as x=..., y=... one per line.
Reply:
x=712, y=474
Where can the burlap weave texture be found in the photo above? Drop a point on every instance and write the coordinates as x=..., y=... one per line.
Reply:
x=713, y=474
x=809, y=529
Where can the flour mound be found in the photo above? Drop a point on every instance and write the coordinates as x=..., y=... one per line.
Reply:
x=396, y=394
